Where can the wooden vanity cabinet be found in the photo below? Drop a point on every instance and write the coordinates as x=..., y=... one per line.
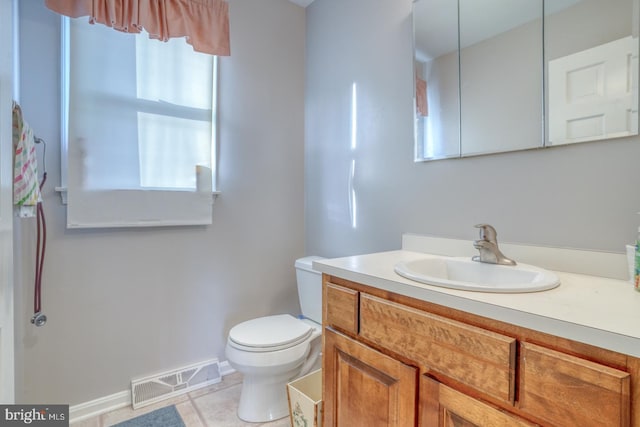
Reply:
x=391, y=360
x=342, y=307
x=450, y=349
x=365, y=387
x=567, y=390
x=442, y=406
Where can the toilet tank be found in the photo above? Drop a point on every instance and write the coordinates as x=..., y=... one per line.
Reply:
x=309, y=288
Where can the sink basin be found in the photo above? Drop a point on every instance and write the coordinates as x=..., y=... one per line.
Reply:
x=468, y=275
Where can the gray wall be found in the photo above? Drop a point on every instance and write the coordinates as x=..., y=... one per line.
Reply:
x=131, y=302
x=582, y=196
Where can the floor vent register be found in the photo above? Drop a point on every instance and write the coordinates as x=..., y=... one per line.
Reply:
x=148, y=390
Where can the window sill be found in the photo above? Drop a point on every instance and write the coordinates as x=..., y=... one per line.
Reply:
x=63, y=194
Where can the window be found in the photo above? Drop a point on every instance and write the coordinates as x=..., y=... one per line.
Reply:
x=139, y=117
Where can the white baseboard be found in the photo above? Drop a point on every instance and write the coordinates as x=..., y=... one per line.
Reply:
x=93, y=408
x=99, y=406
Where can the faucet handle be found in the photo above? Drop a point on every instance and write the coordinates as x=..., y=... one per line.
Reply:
x=487, y=232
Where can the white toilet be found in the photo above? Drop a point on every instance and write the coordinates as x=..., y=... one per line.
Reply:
x=273, y=350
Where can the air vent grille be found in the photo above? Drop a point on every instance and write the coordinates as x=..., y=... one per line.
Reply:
x=145, y=391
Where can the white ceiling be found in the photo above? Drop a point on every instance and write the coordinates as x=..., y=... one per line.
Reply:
x=303, y=3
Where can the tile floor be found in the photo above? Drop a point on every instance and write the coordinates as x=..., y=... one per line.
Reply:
x=213, y=406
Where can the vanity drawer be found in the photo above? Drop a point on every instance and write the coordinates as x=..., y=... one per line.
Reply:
x=564, y=390
x=473, y=356
x=340, y=307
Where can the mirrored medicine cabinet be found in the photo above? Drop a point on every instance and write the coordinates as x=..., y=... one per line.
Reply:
x=504, y=75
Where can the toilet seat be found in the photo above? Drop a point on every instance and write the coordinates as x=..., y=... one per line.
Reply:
x=269, y=333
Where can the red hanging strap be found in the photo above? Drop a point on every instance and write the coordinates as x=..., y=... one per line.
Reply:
x=38, y=318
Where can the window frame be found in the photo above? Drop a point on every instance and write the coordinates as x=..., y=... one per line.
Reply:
x=65, y=57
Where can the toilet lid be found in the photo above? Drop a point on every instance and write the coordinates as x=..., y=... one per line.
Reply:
x=270, y=332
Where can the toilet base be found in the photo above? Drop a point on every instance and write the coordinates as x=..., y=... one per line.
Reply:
x=264, y=398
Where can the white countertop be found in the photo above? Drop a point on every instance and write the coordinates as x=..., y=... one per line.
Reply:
x=594, y=310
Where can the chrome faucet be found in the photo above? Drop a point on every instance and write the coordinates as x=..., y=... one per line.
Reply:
x=488, y=247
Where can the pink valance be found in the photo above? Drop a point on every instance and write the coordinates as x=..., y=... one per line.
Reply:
x=204, y=23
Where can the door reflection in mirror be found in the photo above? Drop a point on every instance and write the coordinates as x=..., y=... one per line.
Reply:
x=592, y=79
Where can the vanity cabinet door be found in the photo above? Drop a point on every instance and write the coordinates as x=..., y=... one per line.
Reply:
x=564, y=390
x=442, y=406
x=365, y=388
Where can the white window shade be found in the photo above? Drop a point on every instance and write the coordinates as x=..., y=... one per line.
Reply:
x=140, y=130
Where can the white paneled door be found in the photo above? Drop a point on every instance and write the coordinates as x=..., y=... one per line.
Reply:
x=593, y=93
x=7, y=393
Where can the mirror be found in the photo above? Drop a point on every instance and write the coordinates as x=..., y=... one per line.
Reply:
x=501, y=75
x=592, y=70
x=481, y=68
x=437, y=82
